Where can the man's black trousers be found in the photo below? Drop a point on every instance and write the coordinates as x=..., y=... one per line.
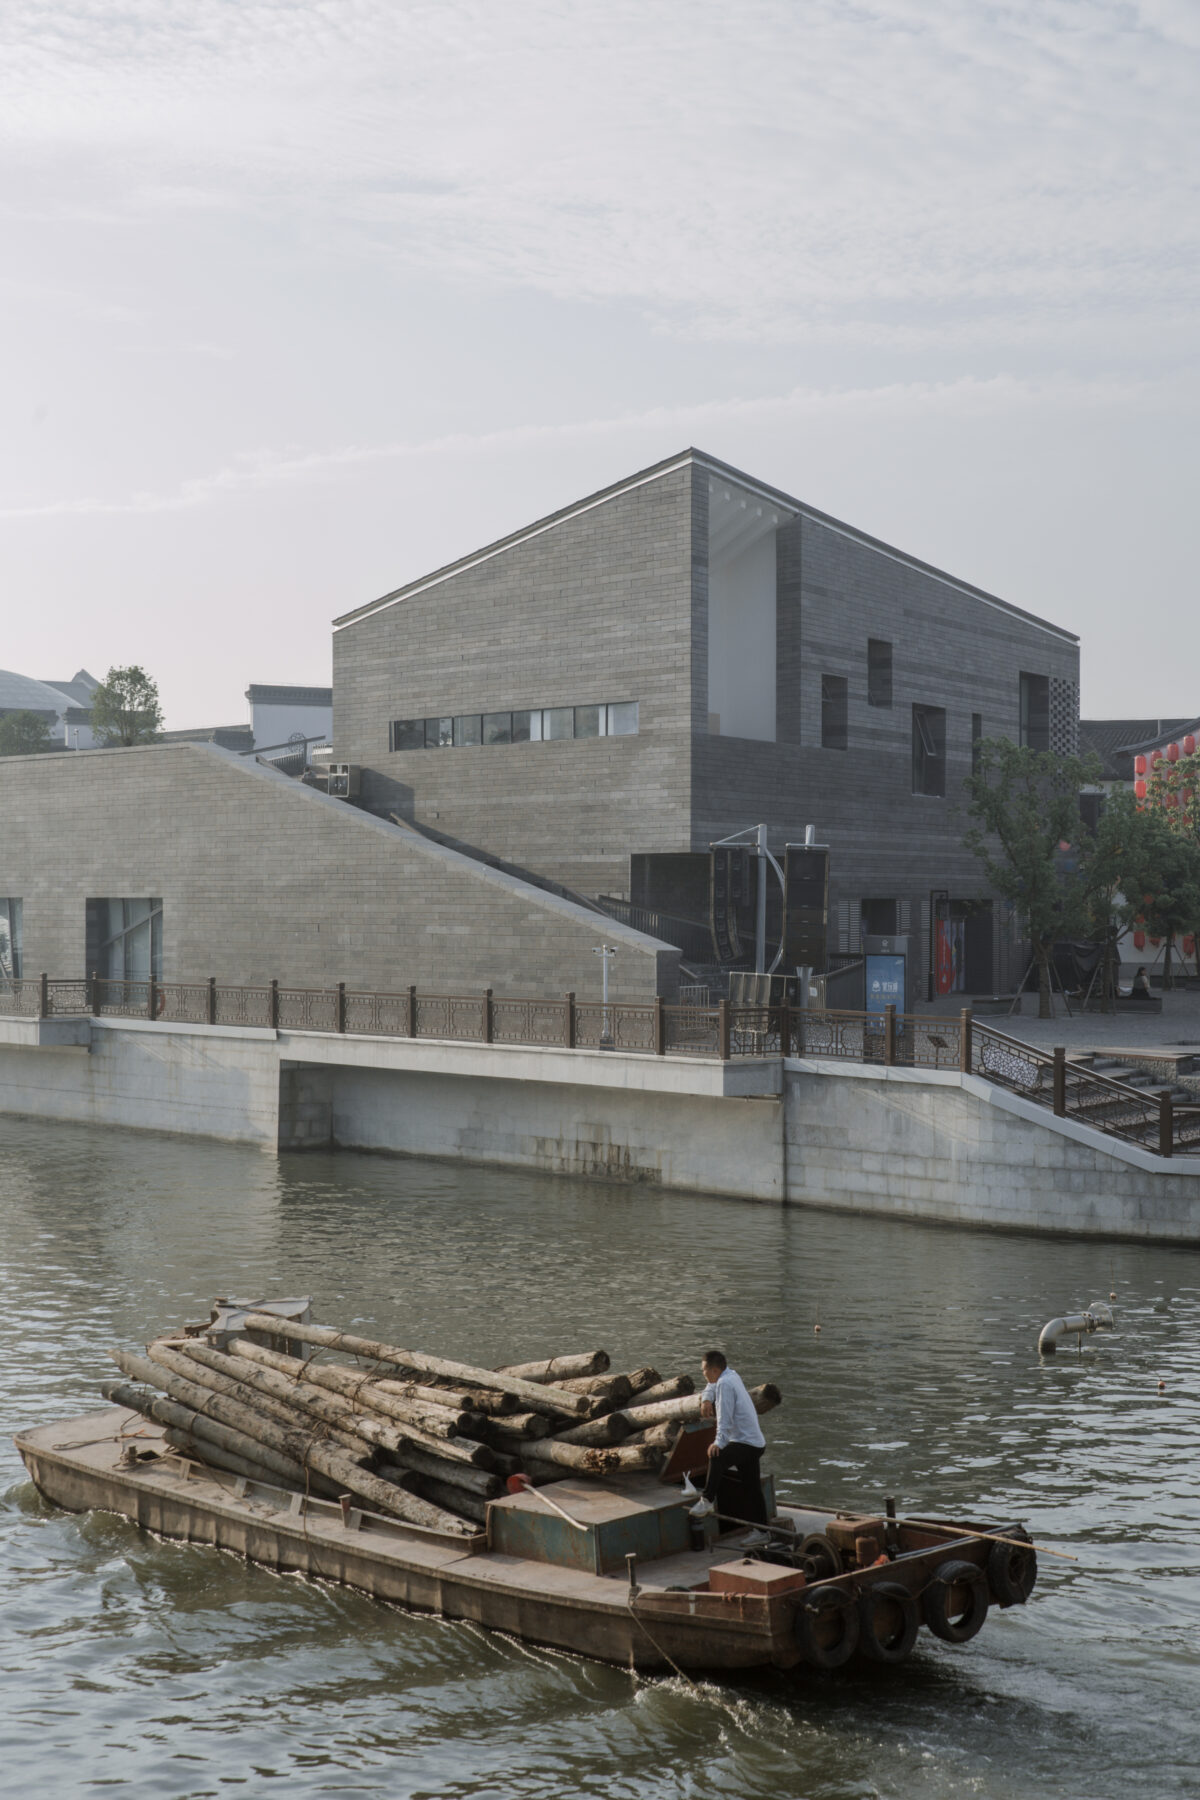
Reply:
x=734, y=1483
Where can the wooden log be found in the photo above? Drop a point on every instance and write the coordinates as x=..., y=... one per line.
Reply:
x=610, y=1428
x=170, y=1355
x=211, y=1456
x=675, y=1389
x=363, y=1393
x=541, y=1399
x=765, y=1397
x=480, y=1482
x=332, y=1409
x=208, y=1435
x=641, y=1379
x=683, y=1407
x=558, y=1368
x=452, y=1499
x=661, y=1437
x=579, y=1457
x=306, y=1448
x=468, y=1399
x=516, y=1428
x=637, y=1456
x=603, y=1391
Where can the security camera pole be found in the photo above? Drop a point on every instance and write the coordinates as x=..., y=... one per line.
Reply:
x=606, y=952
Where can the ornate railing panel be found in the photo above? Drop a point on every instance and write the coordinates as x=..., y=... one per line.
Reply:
x=243, y=1006
x=378, y=1015
x=691, y=1031
x=616, y=1026
x=531, y=1022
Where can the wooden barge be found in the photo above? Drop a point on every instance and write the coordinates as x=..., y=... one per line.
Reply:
x=629, y=1579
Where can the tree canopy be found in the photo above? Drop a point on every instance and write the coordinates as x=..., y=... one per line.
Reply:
x=24, y=734
x=125, y=708
x=1025, y=828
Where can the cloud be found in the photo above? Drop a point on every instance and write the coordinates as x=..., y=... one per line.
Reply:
x=260, y=471
x=755, y=172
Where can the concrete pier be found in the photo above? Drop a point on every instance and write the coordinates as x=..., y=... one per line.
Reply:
x=895, y=1142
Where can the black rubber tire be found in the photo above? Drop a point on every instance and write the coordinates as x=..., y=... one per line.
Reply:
x=819, y=1557
x=887, y=1643
x=814, y=1615
x=962, y=1628
x=1012, y=1570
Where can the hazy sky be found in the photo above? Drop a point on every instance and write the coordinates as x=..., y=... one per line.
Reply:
x=304, y=297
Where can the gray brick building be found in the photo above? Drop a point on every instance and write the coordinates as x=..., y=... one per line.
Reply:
x=600, y=696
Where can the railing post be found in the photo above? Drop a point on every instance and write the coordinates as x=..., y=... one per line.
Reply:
x=151, y=998
x=964, y=1040
x=340, y=1017
x=724, y=1036
x=660, y=1026
x=785, y=1028
x=44, y=998
x=273, y=1007
x=569, y=1020
x=1166, y=1125
x=212, y=999
x=1060, y=1082
x=412, y=1011
x=488, y=1017
x=94, y=993
x=889, y=1035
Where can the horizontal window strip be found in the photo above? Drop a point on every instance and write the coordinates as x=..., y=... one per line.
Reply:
x=543, y=724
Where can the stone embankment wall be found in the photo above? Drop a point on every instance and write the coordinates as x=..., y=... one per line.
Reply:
x=892, y=1143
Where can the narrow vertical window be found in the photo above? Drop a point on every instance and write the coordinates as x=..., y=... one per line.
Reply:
x=879, y=672
x=1035, y=711
x=834, y=710
x=929, y=751
x=10, y=941
x=976, y=742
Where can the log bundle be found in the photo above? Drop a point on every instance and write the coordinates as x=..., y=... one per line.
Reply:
x=417, y=1437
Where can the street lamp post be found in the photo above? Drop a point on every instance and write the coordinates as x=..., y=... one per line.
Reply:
x=605, y=952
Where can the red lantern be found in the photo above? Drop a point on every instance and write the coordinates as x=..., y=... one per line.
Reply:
x=1139, y=940
x=1172, y=752
x=1189, y=745
x=1189, y=945
x=1156, y=942
x=1139, y=787
x=1156, y=759
x=1139, y=765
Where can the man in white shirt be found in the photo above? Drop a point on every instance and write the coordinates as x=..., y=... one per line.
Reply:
x=736, y=1452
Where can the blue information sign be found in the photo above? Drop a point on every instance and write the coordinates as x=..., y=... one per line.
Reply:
x=885, y=983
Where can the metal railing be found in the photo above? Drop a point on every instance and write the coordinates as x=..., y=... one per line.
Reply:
x=1153, y=1120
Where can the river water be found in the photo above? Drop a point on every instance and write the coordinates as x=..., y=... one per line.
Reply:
x=141, y=1668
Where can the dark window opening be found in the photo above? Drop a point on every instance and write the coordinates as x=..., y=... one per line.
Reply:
x=407, y=734
x=468, y=728
x=880, y=918
x=497, y=728
x=123, y=939
x=834, y=712
x=879, y=672
x=1091, y=810
x=929, y=751
x=976, y=742
x=1035, y=711
x=10, y=941
x=438, y=733
x=587, y=721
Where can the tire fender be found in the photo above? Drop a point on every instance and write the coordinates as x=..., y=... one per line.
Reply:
x=827, y=1627
x=1012, y=1570
x=888, y=1620
x=956, y=1628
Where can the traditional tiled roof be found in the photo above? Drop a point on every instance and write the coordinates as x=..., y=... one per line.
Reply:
x=1116, y=741
x=259, y=695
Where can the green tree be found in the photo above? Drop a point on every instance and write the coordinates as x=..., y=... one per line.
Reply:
x=24, y=734
x=1151, y=868
x=125, y=708
x=1026, y=831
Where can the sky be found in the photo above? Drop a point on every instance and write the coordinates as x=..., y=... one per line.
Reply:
x=303, y=298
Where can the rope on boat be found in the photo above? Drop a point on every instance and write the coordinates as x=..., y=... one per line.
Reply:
x=682, y=1673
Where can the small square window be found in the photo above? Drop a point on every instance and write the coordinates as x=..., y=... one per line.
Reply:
x=497, y=728
x=558, y=722
x=468, y=729
x=522, y=726
x=439, y=733
x=587, y=721
x=408, y=734
x=623, y=719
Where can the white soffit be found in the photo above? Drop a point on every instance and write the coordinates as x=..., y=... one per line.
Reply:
x=738, y=518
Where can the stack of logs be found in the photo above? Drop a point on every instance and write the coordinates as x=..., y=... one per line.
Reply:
x=417, y=1437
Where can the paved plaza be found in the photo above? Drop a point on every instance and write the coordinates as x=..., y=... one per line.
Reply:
x=1175, y=1030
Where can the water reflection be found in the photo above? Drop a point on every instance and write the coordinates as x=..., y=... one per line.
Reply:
x=167, y=1670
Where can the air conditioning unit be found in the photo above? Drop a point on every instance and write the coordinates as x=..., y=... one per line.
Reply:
x=345, y=779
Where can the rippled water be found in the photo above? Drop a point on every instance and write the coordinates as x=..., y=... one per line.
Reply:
x=157, y=1669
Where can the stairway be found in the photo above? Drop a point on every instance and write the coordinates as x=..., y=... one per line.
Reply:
x=1092, y=1105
